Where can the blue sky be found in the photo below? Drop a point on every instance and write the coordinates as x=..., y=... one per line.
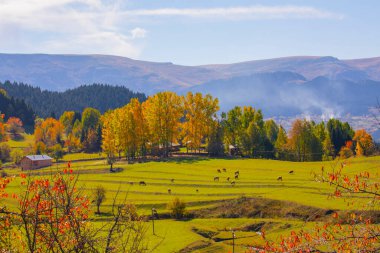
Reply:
x=192, y=32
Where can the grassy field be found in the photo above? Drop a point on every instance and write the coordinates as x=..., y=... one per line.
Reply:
x=258, y=179
x=26, y=141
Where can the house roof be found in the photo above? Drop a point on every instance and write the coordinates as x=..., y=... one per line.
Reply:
x=38, y=157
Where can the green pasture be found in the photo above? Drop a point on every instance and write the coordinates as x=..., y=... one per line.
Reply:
x=175, y=235
x=26, y=141
x=257, y=178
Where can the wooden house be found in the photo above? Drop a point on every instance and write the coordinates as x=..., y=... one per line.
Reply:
x=32, y=162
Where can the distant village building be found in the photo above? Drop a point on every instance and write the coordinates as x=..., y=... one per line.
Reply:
x=32, y=162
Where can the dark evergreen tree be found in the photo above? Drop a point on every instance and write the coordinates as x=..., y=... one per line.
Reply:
x=99, y=96
x=339, y=133
x=215, y=146
x=11, y=107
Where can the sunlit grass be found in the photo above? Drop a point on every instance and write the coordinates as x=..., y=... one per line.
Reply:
x=258, y=178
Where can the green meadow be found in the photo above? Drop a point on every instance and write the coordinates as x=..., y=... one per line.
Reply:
x=193, y=182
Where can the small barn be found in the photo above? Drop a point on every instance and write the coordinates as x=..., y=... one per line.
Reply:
x=32, y=162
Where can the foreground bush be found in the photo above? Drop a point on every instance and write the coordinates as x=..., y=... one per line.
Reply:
x=177, y=208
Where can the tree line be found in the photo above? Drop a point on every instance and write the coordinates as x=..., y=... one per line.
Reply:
x=166, y=121
x=52, y=104
x=74, y=131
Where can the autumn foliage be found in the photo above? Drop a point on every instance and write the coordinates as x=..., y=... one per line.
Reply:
x=154, y=125
x=364, y=143
x=15, y=127
x=49, y=132
x=53, y=216
x=352, y=232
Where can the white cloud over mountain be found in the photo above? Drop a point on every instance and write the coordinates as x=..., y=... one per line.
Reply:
x=95, y=26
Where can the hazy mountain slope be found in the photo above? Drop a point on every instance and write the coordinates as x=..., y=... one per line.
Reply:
x=282, y=86
x=289, y=94
x=308, y=66
x=371, y=66
x=61, y=72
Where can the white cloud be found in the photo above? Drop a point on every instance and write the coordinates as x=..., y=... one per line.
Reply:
x=94, y=26
x=247, y=12
x=138, y=33
x=66, y=26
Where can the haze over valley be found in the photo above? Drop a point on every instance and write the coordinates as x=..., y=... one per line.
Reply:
x=318, y=87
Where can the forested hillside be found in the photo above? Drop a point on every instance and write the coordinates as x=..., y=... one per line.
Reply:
x=47, y=103
x=12, y=107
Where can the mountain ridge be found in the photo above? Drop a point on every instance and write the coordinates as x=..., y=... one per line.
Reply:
x=64, y=71
x=271, y=84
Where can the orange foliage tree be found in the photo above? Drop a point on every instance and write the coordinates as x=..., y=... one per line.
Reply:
x=364, y=143
x=346, y=151
x=53, y=216
x=49, y=132
x=14, y=127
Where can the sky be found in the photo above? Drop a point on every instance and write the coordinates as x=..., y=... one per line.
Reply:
x=192, y=32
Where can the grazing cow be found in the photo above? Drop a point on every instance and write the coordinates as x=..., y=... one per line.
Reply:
x=169, y=191
x=218, y=170
x=233, y=183
x=291, y=172
x=224, y=170
x=279, y=179
x=142, y=183
x=228, y=178
x=237, y=176
x=216, y=179
x=237, y=172
x=172, y=180
x=197, y=190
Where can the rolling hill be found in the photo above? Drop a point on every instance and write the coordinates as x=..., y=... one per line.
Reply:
x=281, y=87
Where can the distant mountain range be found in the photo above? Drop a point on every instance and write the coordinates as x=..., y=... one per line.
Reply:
x=281, y=87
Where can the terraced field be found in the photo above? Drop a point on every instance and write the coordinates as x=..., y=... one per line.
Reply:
x=193, y=182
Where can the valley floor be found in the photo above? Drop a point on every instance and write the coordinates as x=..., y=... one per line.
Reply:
x=256, y=200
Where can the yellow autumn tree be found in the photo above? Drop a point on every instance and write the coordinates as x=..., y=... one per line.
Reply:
x=109, y=136
x=125, y=130
x=49, y=132
x=364, y=143
x=200, y=112
x=163, y=113
x=137, y=129
x=131, y=133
